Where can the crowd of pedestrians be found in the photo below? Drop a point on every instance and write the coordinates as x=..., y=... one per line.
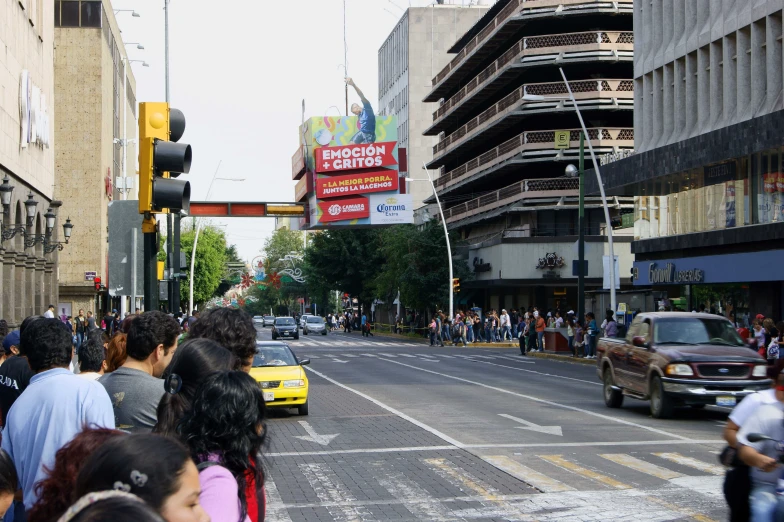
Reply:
x=155, y=419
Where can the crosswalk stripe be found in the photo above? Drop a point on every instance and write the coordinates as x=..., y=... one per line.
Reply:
x=641, y=466
x=418, y=502
x=538, y=480
x=407, y=355
x=388, y=355
x=445, y=356
x=329, y=488
x=460, y=477
x=425, y=355
x=349, y=355
x=274, y=510
x=691, y=462
x=369, y=354
x=561, y=462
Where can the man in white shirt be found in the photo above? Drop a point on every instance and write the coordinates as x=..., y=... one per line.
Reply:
x=49, y=314
x=505, y=324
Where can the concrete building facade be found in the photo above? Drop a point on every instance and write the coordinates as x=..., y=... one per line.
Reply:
x=500, y=174
x=414, y=52
x=28, y=283
x=95, y=89
x=709, y=140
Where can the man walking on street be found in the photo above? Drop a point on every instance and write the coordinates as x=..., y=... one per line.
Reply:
x=80, y=327
x=540, y=326
x=505, y=323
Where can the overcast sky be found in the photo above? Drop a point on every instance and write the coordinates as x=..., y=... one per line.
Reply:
x=239, y=72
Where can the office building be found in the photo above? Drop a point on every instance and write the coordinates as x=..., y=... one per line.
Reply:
x=28, y=283
x=706, y=176
x=95, y=112
x=414, y=52
x=500, y=172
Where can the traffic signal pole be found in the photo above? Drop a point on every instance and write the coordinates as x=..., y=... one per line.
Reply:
x=172, y=218
x=150, y=232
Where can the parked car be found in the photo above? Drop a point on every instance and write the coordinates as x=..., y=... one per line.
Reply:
x=315, y=325
x=285, y=327
x=679, y=359
x=269, y=320
x=280, y=376
x=303, y=319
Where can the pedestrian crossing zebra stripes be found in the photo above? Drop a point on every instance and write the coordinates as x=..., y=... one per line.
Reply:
x=444, y=486
x=424, y=357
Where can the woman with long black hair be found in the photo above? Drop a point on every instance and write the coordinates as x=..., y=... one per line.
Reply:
x=193, y=362
x=224, y=431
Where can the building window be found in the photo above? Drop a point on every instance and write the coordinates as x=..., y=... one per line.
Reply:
x=76, y=13
x=70, y=14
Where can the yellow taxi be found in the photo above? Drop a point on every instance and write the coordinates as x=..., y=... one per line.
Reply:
x=281, y=376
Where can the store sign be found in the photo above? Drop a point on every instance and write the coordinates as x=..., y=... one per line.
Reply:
x=344, y=209
x=33, y=112
x=382, y=180
x=352, y=157
x=669, y=275
x=394, y=209
x=720, y=173
x=550, y=261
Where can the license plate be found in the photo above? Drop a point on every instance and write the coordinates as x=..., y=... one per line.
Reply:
x=269, y=396
x=725, y=401
x=286, y=333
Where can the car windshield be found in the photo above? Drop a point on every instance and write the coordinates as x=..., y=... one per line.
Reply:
x=696, y=331
x=284, y=321
x=268, y=317
x=273, y=356
x=315, y=320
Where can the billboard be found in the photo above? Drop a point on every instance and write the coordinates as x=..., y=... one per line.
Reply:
x=353, y=182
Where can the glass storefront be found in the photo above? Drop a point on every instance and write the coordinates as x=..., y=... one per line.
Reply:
x=733, y=193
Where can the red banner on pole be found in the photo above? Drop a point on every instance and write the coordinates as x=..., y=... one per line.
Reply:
x=383, y=180
x=344, y=209
x=353, y=157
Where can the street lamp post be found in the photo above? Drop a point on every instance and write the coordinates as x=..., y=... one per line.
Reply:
x=446, y=236
x=196, y=238
x=533, y=97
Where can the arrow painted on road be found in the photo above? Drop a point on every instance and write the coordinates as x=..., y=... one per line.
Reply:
x=550, y=430
x=312, y=436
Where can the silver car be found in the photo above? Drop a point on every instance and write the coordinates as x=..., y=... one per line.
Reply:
x=315, y=325
x=269, y=320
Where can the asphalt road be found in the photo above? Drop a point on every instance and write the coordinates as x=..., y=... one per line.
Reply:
x=402, y=431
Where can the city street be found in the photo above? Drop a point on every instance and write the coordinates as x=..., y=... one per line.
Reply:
x=399, y=430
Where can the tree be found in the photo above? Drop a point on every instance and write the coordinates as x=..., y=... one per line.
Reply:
x=210, y=263
x=345, y=260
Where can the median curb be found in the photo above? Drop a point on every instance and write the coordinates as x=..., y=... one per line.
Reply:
x=562, y=358
x=426, y=342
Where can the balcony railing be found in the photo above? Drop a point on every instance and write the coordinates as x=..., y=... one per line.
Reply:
x=529, y=188
x=513, y=8
x=542, y=45
x=584, y=90
x=538, y=142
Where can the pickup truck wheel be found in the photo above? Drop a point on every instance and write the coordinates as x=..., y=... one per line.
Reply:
x=661, y=405
x=612, y=398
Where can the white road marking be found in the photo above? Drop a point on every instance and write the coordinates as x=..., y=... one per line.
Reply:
x=463, y=479
x=348, y=355
x=415, y=498
x=425, y=355
x=549, y=430
x=641, y=466
x=713, y=469
x=388, y=355
x=407, y=355
x=538, y=480
x=542, y=401
x=330, y=489
x=443, y=436
x=312, y=436
x=562, y=463
x=275, y=509
x=553, y=444
x=369, y=354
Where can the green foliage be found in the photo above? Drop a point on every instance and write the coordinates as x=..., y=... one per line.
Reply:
x=280, y=244
x=211, y=258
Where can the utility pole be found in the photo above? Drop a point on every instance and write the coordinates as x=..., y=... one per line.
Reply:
x=173, y=219
x=581, y=234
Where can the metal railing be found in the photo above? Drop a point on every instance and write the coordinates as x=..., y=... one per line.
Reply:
x=536, y=45
x=528, y=188
x=513, y=7
x=531, y=141
x=583, y=90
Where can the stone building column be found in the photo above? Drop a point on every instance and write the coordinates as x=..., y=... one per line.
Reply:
x=29, y=281
x=9, y=287
x=19, y=285
x=42, y=296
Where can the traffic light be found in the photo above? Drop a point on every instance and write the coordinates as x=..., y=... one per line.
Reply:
x=161, y=159
x=456, y=285
x=97, y=284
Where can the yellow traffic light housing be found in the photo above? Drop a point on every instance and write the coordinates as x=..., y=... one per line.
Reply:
x=456, y=285
x=161, y=158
